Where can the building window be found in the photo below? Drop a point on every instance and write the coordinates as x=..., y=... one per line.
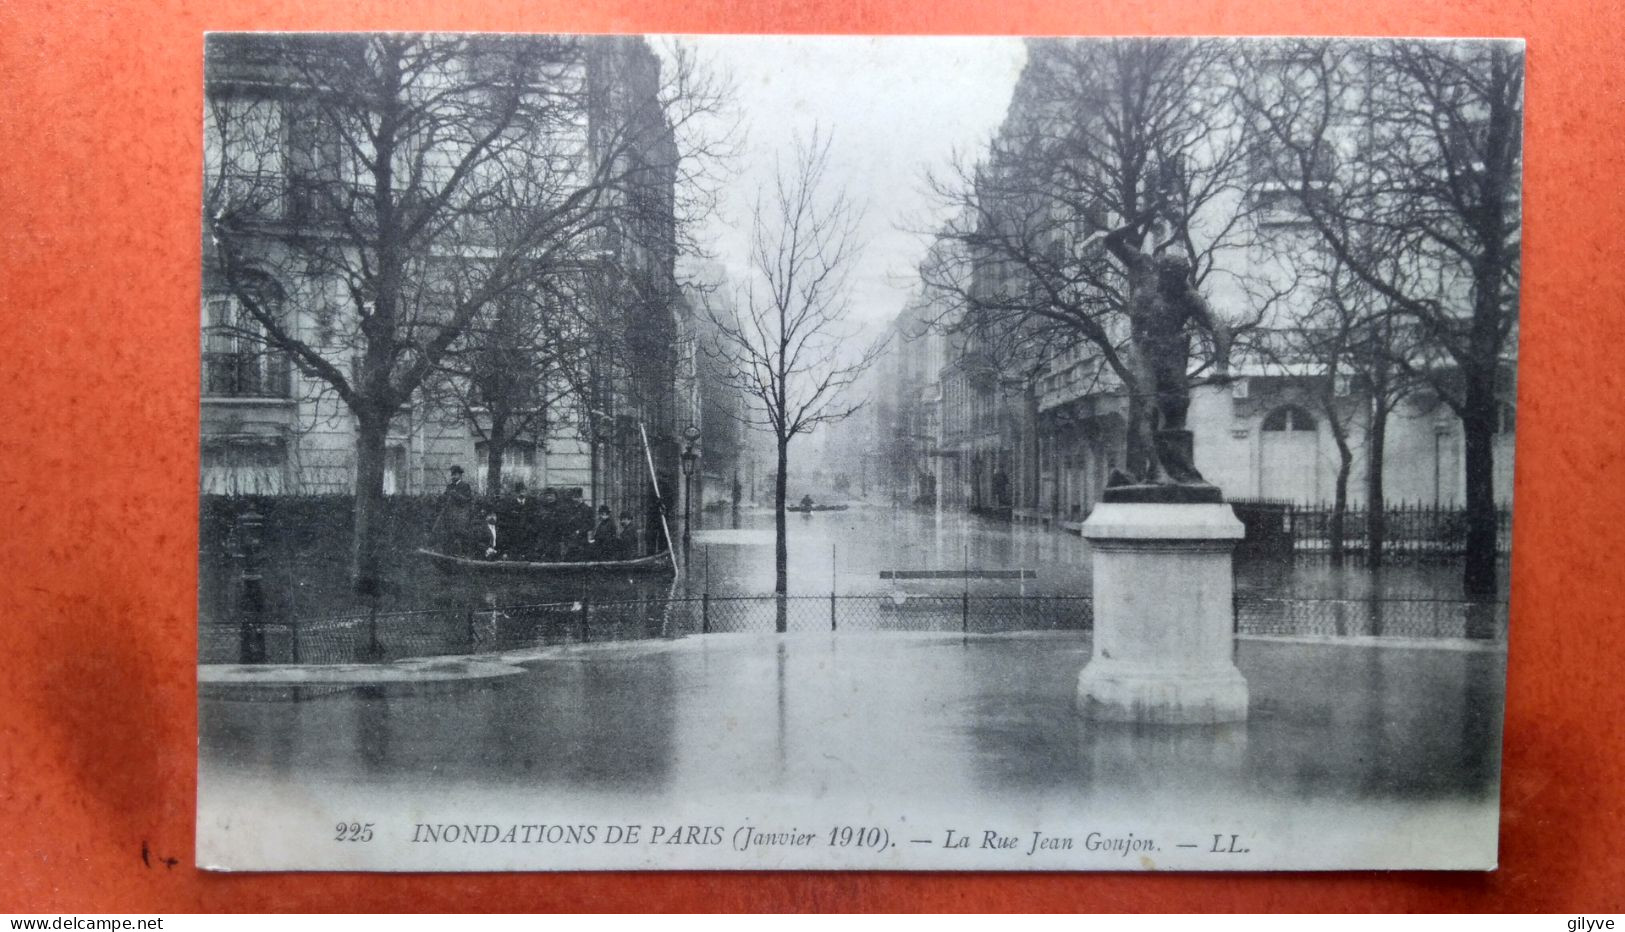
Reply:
x=243, y=157
x=518, y=464
x=244, y=466
x=1279, y=188
x=394, y=469
x=1288, y=456
x=238, y=360
x=1290, y=417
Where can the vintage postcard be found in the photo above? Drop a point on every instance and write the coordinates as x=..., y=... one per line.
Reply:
x=666, y=452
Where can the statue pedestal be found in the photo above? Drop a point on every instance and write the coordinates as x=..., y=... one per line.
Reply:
x=1163, y=638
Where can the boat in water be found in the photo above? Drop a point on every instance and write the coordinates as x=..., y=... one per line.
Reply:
x=656, y=563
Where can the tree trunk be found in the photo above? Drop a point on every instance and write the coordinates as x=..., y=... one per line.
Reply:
x=781, y=550
x=367, y=543
x=1375, y=507
x=496, y=446
x=1340, y=503
x=1478, y=425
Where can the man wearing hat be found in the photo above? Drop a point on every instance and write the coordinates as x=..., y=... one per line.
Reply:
x=456, y=512
x=520, y=517
x=606, y=544
x=545, y=537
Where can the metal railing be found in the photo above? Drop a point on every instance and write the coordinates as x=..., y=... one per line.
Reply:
x=378, y=637
x=1411, y=531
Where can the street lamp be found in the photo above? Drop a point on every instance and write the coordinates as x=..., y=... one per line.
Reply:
x=691, y=453
x=601, y=430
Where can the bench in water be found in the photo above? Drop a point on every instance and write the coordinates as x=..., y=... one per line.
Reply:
x=959, y=574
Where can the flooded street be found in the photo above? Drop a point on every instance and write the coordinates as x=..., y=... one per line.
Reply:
x=1357, y=746
x=853, y=554
x=1373, y=717
x=755, y=713
x=845, y=552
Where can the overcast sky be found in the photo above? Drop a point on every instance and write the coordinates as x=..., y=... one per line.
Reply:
x=892, y=107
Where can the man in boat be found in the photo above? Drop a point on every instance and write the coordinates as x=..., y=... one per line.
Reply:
x=456, y=512
x=606, y=538
x=546, y=535
x=577, y=526
x=627, y=539
x=518, y=523
x=491, y=538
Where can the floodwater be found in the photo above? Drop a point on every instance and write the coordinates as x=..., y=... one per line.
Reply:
x=760, y=713
x=1360, y=750
x=847, y=550
x=313, y=616
x=843, y=552
x=1385, y=742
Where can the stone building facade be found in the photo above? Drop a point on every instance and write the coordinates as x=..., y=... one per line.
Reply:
x=271, y=426
x=1032, y=428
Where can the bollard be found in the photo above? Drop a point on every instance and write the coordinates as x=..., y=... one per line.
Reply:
x=705, y=613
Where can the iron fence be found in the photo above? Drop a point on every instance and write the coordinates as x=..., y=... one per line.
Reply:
x=967, y=614
x=1411, y=531
x=381, y=637
x=378, y=637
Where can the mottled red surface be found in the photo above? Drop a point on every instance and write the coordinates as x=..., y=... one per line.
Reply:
x=99, y=200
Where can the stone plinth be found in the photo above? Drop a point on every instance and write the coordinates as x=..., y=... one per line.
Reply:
x=1163, y=637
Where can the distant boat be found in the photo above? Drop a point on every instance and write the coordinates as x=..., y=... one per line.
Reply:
x=468, y=566
x=808, y=509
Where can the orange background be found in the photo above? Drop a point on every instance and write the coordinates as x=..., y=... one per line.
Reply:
x=99, y=239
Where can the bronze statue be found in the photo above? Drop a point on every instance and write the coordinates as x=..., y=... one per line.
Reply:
x=1162, y=304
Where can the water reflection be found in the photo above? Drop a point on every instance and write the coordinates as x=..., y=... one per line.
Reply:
x=921, y=716
x=731, y=554
x=372, y=730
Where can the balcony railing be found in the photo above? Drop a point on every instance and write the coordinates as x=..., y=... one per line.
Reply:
x=246, y=375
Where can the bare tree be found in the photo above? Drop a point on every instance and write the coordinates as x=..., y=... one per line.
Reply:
x=1430, y=219
x=369, y=197
x=514, y=372
x=1353, y=346
x=789, y=345
x=1140, y=135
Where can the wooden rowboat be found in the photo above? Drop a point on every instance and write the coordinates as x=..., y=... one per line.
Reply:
x=446, y=563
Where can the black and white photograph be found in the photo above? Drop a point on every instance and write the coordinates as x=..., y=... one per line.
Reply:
x=855, y=453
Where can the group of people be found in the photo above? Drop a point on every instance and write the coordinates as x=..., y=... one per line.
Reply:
x=541, y=528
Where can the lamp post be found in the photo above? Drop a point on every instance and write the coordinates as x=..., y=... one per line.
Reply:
x=599, y=423
x=690, y=454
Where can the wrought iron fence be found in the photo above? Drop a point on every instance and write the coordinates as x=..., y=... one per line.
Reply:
x=1414, y=532
x=386, y=636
